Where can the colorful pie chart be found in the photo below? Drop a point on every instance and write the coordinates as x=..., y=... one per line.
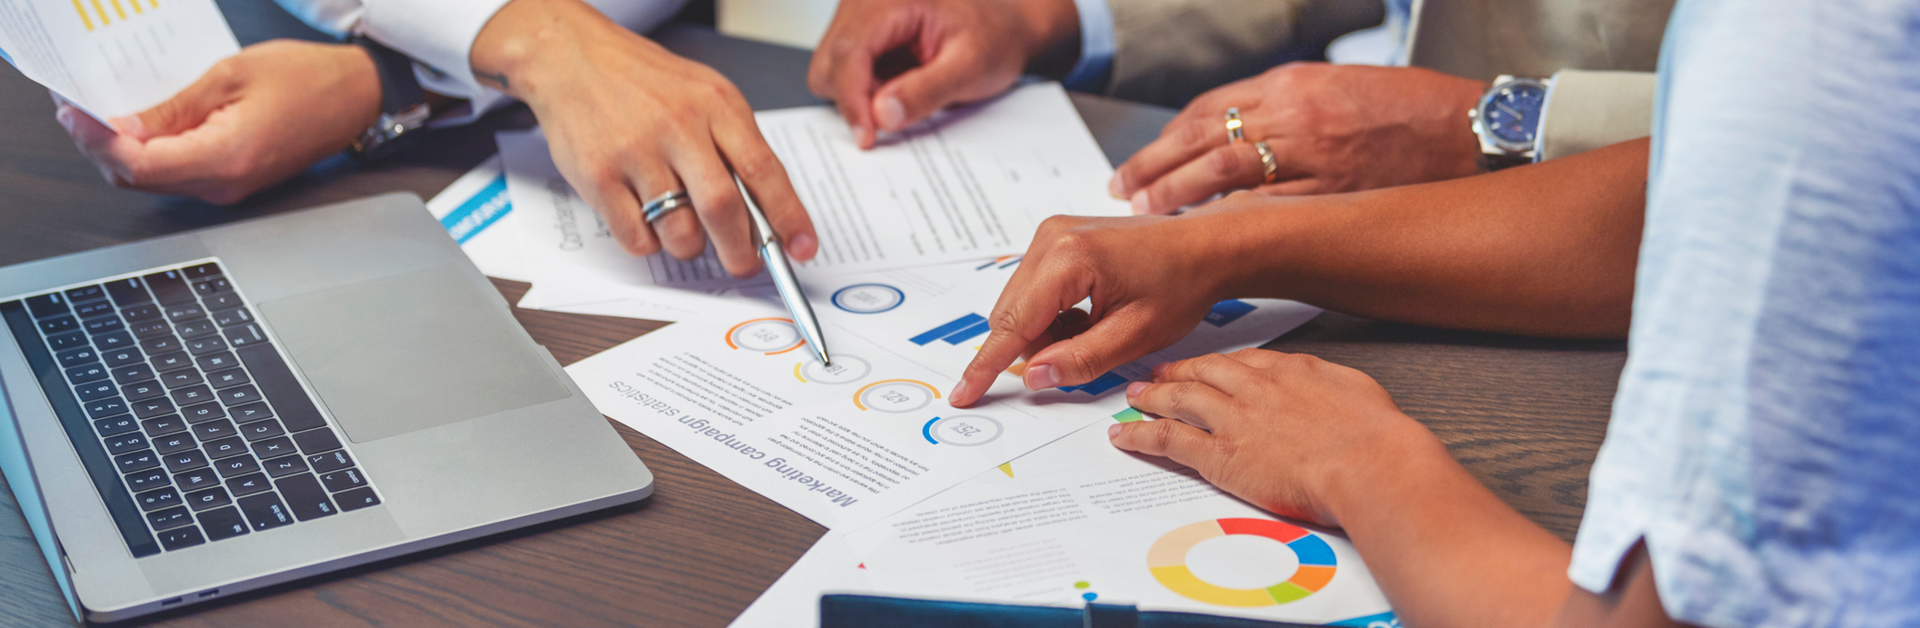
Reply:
x=1167, y=558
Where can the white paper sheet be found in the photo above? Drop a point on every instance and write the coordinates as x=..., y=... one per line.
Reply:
x=1079, y=520
x=114, y=57
x=474, y=209
x=973, y=184
x=794, y=600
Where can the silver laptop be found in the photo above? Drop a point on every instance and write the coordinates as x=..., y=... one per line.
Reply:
x=227, y=409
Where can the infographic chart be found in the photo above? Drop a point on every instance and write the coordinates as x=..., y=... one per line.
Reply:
x=772, y=336
x=1167, y=559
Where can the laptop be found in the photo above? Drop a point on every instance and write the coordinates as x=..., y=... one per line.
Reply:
x=222, y=410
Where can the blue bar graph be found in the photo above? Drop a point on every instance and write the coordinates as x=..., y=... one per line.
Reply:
x=1226, y=312
x=1099, y=384
x=962, y=328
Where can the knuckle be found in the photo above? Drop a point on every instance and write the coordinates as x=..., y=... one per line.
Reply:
x=1224, y=162
x=1082, y=362
x=761, y=165
x=1193, y=133
x=1006, y=320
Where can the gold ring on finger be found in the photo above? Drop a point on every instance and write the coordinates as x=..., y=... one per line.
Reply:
x=1235, y=134
x=1269, y=167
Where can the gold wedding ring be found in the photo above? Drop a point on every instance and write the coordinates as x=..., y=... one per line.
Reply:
x=1234, y=134
x=1269, y=168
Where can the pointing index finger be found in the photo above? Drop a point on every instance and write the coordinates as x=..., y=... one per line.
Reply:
x=1033, y=298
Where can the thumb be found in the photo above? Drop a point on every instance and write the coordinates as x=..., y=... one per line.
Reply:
x=953, y=75
x=1167, y=438
x=184, y=110
x=1118, y=338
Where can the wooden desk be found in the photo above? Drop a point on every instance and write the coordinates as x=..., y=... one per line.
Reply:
x=1525, y=415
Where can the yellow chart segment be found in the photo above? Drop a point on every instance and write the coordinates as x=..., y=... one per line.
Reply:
x=101, y=15
x=863, y=390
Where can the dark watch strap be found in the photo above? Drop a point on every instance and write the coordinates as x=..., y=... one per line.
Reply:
x=399, y=90
x=1490, y=162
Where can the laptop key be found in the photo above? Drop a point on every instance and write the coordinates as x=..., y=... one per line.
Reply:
x=284, y=466
x=104, y=324
x=204, y=412
x=305, y=497
x=355, y=499
x=203, y=346
x=343, y=479
x=316, y=441
x=223, y=523
x=217, y=362
x=83, y=295
x=121, y=357
x=152, y=329
x=87, y=373
x=132, y=373
x=229, y=318
x=196, y=479
x=228, y=378
x=95, y=390
x=330, y=461
x=137, y=461
x=173, y=443
x=59, y=325
x=192, y=395
x=236, y=466
x=144, y=312
x=76, y=357
x=181, y=378
x=249, y=484
x=211, y=287
x=265, y=511
x=217, y=303
x=128, y=442
x=170, y=518
x=273, y=447
x=245, y=335
x=169, y=287
x=209, y=498
x=195, y=328
x=67, y=340
x=239, y=395
x=212, y=430
x=150, y=408
x=148, y=479
x=261, y=430
x=110, y=341
x=129, y=291
x=171, y=361
x=186, y=461
x=189, y=311
x=250, y=412
x=47, y=305
x=202, y=271
x=158, y=498
x=170, y=424
x=160, y=344
x=105, y=407
x=225, y=447
x=181, y=538
x=277, y=382
x=90, y=310
x=142, y=391
x=116, y=425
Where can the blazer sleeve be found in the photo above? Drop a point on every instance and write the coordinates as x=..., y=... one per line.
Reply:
x=1168, y=51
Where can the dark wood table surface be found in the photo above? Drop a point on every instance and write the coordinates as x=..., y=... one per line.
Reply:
x=1525, y=415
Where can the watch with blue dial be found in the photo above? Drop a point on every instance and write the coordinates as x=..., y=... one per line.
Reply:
x=1507, y=121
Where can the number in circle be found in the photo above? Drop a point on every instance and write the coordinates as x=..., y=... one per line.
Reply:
x=895, y=395
x=966, y=430
x=868, y=298
x=766, y=335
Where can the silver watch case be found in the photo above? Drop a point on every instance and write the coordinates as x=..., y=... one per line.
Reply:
x=1491, y=144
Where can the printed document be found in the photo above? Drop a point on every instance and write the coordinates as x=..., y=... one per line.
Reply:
x=114, y=57
x=1080, y=521
x=472, y=209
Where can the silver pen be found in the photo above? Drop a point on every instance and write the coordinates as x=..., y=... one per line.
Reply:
x=775, y=256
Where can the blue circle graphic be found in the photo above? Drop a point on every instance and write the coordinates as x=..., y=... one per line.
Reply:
x=868, y=298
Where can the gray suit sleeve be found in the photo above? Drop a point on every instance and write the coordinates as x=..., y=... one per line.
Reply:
x=1586, y=110
x=1168, y=51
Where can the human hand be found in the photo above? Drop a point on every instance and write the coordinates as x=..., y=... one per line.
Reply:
x=627, y=120
x=1286, y=432
x=251, y=121
x=964, y=51
x=1332, y=128
x=1151, y=280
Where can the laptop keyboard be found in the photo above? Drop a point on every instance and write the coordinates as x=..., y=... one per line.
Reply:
x=190, y=422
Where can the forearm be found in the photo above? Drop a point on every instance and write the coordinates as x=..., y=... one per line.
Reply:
x=1444, y=549
x=1548, y=249
x=532, y=46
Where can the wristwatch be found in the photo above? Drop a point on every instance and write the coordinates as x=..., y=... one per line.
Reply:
x=1507, y=121
x=403, y=105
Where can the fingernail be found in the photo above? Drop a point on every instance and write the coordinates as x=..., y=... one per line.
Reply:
x=1113, y=431
x=959, y=392
x=130, y=126
x=1160, y=370
x=1117, y=186
x=863, y=137
x=1041, y=377
x=1134, y=389
x=1140, y=203
x=804, y=245
x=889, y=113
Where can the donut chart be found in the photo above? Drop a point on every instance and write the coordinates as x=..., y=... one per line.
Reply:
x=1167, y=559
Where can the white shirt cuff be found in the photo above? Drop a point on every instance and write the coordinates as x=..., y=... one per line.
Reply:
x=438, y=33
x=1096, y=45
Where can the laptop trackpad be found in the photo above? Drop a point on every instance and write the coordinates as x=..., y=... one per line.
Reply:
x=410, y=352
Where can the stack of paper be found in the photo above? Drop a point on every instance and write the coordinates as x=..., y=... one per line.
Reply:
x=114, y=58
x=1018, y=499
